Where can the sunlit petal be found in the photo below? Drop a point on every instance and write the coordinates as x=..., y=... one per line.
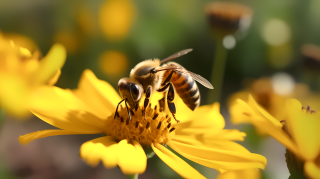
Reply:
x=53, y=61
x=176, y=163
x=97, y=94
x=101, y=149
x=312, y=170
x=304, y=129
x=61, y=108
x=41, y=134
x=55, y=78
x=132, y=159
x=204, y=117
x=266, y=126
x=219, y=158
x=241, y=174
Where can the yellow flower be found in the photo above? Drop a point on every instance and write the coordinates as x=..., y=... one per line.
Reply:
x=263, y=91
x=301, y=130
x=90, y=110
x=241, y=174
x=116, y=18
x=21, y=73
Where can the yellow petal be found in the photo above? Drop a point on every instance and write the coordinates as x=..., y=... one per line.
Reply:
x=14, y=95
x=132, y=159
x=41, y=134
x=219, y=158
x=259, y=110
x=176, y=163
x=49, y=65
x=55, y=78
x=241, y=174
x=101, y=149
x=311, y=170
x=304, y=129
x=204, y=117
x=61, y=108
x=97, y=94
x=267, y=125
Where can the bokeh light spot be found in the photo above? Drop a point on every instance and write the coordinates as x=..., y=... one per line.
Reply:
x=229, y=42
x=116, y=18
x=113, y=62
x=276, y=32
x=282, y=83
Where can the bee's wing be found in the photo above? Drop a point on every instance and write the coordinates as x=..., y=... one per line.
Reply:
x=176, y=55
x=195, y=76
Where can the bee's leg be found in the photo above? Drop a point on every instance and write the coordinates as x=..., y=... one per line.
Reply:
x=125, y=102
x=170, y=98
x=162, y=100
x=162, y=103
x=146, y=101
x=116, y=113
x=165, y=84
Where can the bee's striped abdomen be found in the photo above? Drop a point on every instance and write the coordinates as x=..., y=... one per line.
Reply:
x=187, y=89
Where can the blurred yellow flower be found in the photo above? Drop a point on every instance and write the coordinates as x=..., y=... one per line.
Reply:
x=241, y=174
x=21, y=73
x=264, y=90
x=301, y=130
x=113, y=62
x=90, y=109
x=116, y=18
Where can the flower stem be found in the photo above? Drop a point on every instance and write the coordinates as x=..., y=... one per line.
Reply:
x=135, y=176
x=217, y=72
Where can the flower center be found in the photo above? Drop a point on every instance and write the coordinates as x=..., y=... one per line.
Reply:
x=154, y=127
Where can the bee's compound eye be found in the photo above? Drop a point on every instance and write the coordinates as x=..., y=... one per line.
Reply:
x=135, y=92
x=153, y=70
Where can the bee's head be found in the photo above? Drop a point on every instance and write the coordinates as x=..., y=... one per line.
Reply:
x=131, y=91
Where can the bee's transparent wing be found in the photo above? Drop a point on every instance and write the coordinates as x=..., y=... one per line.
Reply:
x=176, y=55
x=195, y=76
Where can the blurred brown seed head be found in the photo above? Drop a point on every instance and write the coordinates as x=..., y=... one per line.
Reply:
x=311, y=56
x=226, y=18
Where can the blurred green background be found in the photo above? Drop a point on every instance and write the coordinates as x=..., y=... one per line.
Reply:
x=110, y=37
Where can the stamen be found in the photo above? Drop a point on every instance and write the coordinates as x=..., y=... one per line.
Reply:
x=121, y=119
x=155, y=116
x=155, y=107
x=131, y=111
x=159, y=125
x=149, y=105
x=148, y=124
x=137, y=124
x=167, y=116
x=169, y=120
x=312, y=111
x=117, y=114
x=169, y=125
x=308, y=108
x=303, y=107
x=172, y=129
x=127, y=122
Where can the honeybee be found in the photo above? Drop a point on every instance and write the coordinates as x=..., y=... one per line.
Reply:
x=148, y=76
